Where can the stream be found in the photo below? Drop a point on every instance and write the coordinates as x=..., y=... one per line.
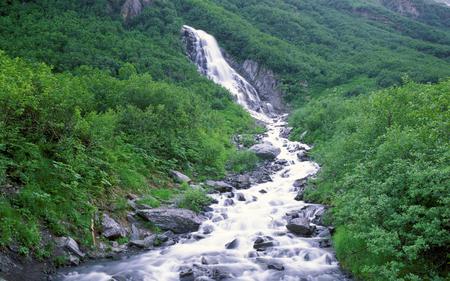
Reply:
x=246, y=238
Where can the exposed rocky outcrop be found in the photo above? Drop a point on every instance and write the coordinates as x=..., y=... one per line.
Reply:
x=404, y=7
x=263, y=80
x=111, y=229
x=132, y=8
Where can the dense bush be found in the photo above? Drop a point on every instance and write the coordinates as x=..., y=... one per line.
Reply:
x=70, y=145
x=385, y=172
x=194, y=199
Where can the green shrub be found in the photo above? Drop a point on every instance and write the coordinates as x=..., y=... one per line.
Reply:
x=194, y=199
x=384, y=159
x=242, y=161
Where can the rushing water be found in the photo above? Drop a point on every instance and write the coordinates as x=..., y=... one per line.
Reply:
x=260, y=215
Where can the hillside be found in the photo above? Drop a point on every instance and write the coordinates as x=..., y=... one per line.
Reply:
x=99, y=100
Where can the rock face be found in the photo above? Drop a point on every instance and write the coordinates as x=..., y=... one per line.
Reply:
x=132, y=8
x=263, y=80
x=404, y=7
x=111, y=229
x=176, y=220
x=179, y=177
x=266, y=150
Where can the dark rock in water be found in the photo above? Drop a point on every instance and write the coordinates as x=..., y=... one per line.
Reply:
x=176, y=220
x=179, y=177
x=276, y=167
x=299, y=196
x=275, y=266
x=229, y=194
x=285, y=132
x=240, y=181
x=300, y=226
x=262, y=243
x=300, y=183
x=328, y=259
x=187, y=275
x=145, y=243
x=219, y=186
x=282, y=162
x=271, y=264
x=69, y=244
x=228, y=202
x=240, y=197
x=302, y=155
x=232, y=245
x=266, y=150
x=314, y=213
x=263, y=191
x=285, y=174
x=111, y=229
x=325, y=243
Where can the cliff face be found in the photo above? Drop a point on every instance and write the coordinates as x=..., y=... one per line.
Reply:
x=404, y=7
x=132, y=8
x=264, y=81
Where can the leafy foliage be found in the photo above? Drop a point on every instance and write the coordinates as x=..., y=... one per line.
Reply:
x=385, y=172
x=194, y=199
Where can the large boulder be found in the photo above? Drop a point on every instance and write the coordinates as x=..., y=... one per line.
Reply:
x=70, y=245
x=176, y=220
x=179, y=177
x=266, y=150
x=111, y=229
x=300, y=226
x=219, y=186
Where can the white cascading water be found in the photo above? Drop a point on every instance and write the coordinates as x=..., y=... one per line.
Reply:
x=262, y=214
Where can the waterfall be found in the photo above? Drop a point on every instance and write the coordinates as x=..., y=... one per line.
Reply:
x=206, y=54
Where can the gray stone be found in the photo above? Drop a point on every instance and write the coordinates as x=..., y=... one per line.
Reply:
x=232, y=245
x=240, y=196
x=69, y=244
x=179, y=177
x=302, y=155
x=219, y=186
x=300, y=226
x=266, y=150
x=111, y=229
x=176, y=220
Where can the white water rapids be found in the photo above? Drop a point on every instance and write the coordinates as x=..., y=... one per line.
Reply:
x=261, y=215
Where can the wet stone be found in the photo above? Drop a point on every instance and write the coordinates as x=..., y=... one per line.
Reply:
x=228, y=202
x=232, y=245
x=240, y=197
x=263, y=191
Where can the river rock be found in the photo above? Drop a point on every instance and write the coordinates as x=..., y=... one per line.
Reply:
x=266, y=150
x=232, y=245
x=302, y=155
x=262, y=243
x=69, y=244
x=285, y=132
x=228, y=202
x=176, y=220
x=111, y=229
x=240, y=196
x=300, y=226
x=179, y=177
x=219, y=186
